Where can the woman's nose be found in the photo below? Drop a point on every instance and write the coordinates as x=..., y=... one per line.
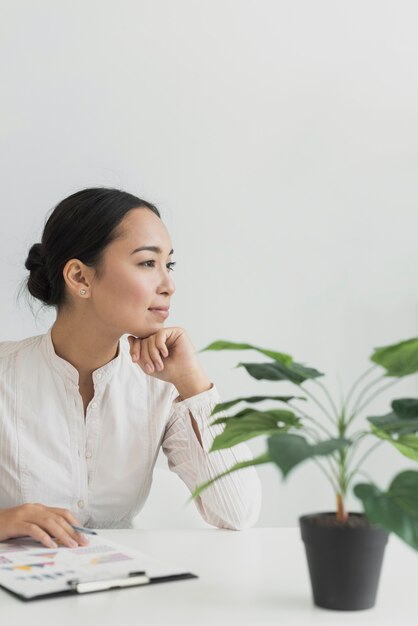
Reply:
x=168, y=285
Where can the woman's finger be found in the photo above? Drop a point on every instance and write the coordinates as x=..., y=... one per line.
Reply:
x=67, y=519
x=145, y=358
x=77, y=536
x=156, y=356
x=57, y=531
x=161, y=345
x=35, y=531
x=135, y=348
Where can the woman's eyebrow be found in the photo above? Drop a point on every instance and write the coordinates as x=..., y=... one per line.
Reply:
x=156, y=249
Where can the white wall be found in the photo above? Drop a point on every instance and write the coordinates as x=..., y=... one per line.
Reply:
x=279, y=140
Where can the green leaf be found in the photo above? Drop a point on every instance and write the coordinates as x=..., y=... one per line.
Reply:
x=391, y=423
x=399, y=427
x=404, y=490
x=283, y=415
x=406, y=444
x=296, y=372
x=250, y=423
x=287, y=451
x=286, y=359
x=223, y=406
x=400, y=359
x=395, y=510
x=264, y=458
x=405, y=408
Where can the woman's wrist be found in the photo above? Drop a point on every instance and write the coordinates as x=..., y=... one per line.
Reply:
x=193, y=384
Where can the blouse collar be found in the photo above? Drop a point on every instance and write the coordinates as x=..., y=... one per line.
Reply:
x=65, y=369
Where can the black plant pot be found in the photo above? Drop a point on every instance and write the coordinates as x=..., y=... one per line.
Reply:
x=344, y=561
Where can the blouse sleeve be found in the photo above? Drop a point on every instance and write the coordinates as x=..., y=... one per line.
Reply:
x=233, y=501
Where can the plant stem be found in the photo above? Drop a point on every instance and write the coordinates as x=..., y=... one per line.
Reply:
x=366, y=474
x=321, y=406
x=329, y=477
x=338, y=475
x=354, y=445
x=356, y=383
x=342, y=514
x=332, y=468
x=354, y=411
x=372, y=397
x=342, y=471
x=341, y=460
x=328, y=395
x=313, y=433
x=308, y=417
x=363, y=458
x=359, y=434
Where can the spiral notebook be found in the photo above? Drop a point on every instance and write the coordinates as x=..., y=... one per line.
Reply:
x=30, y=571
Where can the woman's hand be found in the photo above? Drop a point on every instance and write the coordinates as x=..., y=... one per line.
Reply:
x=42, y=523
x=171, y=357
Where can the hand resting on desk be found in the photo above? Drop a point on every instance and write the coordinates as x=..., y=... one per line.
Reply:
x=42, y=523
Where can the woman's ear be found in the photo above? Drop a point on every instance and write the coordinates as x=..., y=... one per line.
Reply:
x=78, y=278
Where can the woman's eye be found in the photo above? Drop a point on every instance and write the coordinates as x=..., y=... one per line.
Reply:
x=169, y=265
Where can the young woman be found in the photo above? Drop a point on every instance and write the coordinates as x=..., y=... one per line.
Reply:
x=85, y=407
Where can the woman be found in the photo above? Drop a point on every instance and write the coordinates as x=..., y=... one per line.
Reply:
x=84, y=409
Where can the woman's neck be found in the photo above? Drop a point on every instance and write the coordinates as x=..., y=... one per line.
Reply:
x=86, y=346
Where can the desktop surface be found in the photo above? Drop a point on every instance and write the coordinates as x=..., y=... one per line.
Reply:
x=255, y=576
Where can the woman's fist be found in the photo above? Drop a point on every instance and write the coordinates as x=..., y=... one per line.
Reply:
x=169, y=355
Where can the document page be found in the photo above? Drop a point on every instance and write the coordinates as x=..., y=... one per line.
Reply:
x=30, y=569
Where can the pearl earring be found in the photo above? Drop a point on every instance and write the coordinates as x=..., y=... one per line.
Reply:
x=83, y=292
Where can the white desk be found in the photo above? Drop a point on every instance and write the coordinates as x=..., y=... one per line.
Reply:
x=256, y=576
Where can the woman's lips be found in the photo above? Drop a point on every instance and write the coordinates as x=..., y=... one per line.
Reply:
x=161, y=312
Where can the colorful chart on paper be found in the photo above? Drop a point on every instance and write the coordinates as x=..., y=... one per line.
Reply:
x=29, y=569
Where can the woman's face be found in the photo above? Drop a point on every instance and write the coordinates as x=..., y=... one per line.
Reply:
x=133, y=282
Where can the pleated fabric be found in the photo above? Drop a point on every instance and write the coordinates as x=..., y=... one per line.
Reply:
x=100, y=465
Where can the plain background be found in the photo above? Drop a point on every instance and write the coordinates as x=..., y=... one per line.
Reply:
x=279, y=141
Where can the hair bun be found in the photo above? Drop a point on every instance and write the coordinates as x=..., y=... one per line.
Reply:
x=38, y=281
x=35, y=258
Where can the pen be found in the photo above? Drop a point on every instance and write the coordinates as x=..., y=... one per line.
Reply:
x=80, y=529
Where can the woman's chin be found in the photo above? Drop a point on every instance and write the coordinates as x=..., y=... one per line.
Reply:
x=144, y=333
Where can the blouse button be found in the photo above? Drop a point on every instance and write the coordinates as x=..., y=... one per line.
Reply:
x=98, y=376
x=94, y=405
x=88, y=454
x=80, y=504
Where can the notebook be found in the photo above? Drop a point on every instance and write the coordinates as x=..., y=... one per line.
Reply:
x=30, y=571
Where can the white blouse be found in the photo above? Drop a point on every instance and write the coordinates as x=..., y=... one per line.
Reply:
x=100, y=465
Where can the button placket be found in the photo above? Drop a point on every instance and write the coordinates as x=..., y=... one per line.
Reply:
x=82, y=496
x=88, y=454
x=92, y=433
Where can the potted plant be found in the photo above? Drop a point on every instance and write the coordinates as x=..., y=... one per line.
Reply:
x=344, y=549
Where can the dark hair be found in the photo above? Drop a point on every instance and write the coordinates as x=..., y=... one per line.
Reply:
x=79, y=227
